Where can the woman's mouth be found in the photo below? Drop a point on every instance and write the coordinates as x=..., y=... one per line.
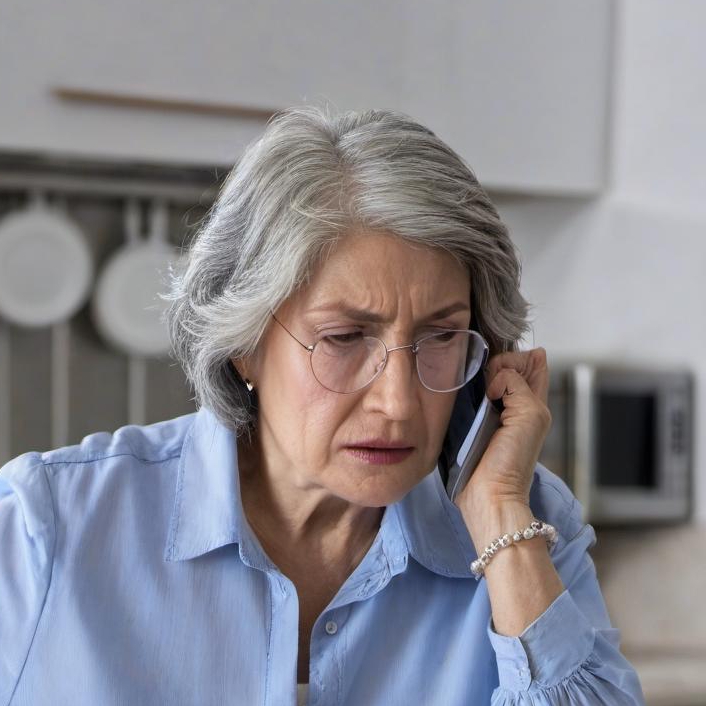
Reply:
x=378, y=455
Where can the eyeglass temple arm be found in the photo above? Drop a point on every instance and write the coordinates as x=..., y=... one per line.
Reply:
x=303, y=345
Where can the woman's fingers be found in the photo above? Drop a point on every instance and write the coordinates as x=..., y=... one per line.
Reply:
x=521, y=380
x=505, y=471
x=507, y=384
x=531, y=366
x=519, y=400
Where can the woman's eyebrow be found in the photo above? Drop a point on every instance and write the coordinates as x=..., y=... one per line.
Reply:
x=365, y=315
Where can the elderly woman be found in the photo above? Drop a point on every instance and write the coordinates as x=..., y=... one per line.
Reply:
x=332, y=315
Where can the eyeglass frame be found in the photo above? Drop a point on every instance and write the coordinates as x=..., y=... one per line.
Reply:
x=414, y=346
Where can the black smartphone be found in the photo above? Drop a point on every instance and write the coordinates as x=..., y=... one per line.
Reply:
x=474, y=420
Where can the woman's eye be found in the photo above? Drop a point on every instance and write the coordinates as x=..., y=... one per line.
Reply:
x=343, y=339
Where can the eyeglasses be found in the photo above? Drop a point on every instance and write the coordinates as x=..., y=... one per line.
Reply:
x=348, y=362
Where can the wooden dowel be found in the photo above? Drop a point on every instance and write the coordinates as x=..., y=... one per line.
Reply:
x=132, y=100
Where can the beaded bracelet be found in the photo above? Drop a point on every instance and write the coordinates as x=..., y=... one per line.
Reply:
x=536, y=529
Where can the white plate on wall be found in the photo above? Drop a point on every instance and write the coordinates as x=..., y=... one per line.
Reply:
x=127, y=309
x=46, y=269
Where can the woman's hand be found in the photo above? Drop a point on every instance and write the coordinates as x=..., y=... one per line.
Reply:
x=522, y=582
x=504, y=473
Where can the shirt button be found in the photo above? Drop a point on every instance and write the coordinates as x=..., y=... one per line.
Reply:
x=331, y=627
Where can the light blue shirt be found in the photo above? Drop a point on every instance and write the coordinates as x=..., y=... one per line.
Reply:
x=130, y=576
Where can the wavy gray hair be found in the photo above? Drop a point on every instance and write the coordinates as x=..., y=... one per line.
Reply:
x=308, y=179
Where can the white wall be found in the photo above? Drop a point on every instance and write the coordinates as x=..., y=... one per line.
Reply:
x=625, y=275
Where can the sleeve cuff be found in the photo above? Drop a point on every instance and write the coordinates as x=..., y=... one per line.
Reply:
x=549, y=650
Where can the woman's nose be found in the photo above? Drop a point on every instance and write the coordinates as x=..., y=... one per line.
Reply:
x=395, y=391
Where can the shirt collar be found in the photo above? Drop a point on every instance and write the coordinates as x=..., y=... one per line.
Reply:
x=434, y=529
x=208, y=511
x=207, y=508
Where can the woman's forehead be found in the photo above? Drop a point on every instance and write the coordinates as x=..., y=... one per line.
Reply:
x=376, y=272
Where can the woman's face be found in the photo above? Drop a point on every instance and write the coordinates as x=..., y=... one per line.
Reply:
x=305, y=431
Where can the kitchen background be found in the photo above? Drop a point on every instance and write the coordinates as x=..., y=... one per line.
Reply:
x=585, y=120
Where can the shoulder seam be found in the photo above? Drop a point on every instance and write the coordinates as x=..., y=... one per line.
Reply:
x=80, y=461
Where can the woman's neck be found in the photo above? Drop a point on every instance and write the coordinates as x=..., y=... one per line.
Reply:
x=294, y=521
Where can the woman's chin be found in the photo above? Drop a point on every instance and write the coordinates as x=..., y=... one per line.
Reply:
x=379, y=490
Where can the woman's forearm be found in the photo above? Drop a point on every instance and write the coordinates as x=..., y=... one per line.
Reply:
x=522, y=581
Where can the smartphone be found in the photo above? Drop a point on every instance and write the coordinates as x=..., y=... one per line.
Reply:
x=474, y=420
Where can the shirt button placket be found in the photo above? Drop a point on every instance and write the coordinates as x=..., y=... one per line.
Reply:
x=325, y=660
x=525, y=677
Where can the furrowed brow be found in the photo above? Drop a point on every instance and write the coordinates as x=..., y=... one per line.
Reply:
x=369, y=316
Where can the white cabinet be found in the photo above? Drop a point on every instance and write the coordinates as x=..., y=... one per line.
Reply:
x=519, y=89
x=530, y=95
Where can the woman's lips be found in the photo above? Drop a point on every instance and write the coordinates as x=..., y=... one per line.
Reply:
x=379, y=455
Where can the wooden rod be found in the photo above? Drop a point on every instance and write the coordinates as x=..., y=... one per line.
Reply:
x=133, y=100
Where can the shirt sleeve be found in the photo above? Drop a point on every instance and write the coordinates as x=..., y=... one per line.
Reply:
x=570, y=654
x=27, y=537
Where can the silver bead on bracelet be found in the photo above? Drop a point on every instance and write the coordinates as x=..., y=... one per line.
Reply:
x=536, y=529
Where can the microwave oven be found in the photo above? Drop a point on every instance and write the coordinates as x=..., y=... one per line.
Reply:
x=621, y=439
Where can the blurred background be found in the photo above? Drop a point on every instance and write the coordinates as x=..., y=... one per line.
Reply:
x=584, y=120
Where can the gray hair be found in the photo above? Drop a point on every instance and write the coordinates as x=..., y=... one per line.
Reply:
x=308, y=179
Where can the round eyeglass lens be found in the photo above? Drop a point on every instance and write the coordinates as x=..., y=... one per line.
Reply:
x=347, y=362
x=445, y=361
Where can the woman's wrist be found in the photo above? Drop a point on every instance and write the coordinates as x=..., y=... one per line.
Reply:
x=488, y=520
x=522, y=580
